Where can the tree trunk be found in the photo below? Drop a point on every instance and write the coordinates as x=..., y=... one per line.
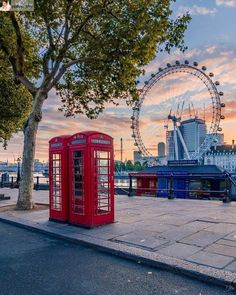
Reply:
x=25, y=200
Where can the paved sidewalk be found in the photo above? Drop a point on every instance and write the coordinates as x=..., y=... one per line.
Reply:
x=194, y=237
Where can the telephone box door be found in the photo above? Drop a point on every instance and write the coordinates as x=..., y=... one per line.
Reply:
x=58, y=193
x=78, y=186
x=103, y=189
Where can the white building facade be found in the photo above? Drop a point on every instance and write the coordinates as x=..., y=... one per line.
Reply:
x=223, y=156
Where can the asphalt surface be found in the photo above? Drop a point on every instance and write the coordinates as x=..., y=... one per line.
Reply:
x=32, y=263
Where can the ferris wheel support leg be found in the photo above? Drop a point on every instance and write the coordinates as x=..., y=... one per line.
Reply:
x=176, y=145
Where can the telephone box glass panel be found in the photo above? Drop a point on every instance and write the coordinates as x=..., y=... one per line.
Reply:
x=78, y=205
x=56, y=182
x=102, y=184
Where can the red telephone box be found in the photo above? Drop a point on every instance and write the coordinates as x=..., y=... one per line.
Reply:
x=58, y=173
x=91, y=179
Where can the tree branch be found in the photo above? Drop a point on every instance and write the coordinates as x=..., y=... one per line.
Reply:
x=70, y=64
x=19, y=45
x=29, y=86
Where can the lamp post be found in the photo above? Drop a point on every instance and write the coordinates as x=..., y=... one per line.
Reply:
x=18, y=170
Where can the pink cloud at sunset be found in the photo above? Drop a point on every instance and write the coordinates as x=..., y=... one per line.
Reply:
x=211, y=42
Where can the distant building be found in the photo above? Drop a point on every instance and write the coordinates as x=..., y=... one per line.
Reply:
x=223, y=156
x=137, y=156
x=194, y=132
x=161, y=149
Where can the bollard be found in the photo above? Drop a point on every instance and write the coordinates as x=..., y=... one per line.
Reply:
x=130, y=194
x=227, y=197
x=171, y=189
x=37, y=183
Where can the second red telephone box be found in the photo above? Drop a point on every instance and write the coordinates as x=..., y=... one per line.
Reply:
x=58, y=188
x=91, y=179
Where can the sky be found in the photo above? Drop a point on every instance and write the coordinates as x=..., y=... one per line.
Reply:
x=211, y=42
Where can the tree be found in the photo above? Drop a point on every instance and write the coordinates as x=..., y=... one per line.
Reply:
x=90, y=51
x=145, y=165
x=138, y=166
x=15, y=105
x=129, y=166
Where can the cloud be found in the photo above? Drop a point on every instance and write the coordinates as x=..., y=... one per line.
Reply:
x=226, y=3
x=196, y=10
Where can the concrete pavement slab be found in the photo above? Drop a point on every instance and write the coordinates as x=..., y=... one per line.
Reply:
x=142, y=239
x=179, y=250
x=222, y=249
x=210, y=259
x=231, y=236
x=224, y=228
x=202, y=238
x=226, y=242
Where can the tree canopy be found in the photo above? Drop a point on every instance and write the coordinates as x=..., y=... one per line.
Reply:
x=99, y=48
x=91, y=52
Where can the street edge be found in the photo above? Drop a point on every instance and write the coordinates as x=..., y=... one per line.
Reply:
x=178, y=266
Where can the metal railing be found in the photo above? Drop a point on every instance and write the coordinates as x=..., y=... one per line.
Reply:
x=12, y=182
x=170, y=193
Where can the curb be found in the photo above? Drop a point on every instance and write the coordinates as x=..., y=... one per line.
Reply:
x=200, y=272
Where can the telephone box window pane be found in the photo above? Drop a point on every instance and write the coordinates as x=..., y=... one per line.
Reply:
x=102, y=178
x=78, y=178
x=78, y=154
x=56, y=182
x=78, y=184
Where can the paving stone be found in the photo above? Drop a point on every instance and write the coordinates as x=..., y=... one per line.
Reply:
x=176, y=234
x=222, y=249
x=210, y=259
x=173, y=219
x=179, y=250
x=202, y=238
x=231, y=267
x=157, y=227
x=196, y=225
x=224, y=228
x=226, y=242
x=231, y=236
x=141, y=238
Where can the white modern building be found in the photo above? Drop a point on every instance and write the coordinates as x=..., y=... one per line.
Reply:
x=194, y=132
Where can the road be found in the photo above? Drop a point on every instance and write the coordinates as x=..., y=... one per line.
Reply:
x=35, y=264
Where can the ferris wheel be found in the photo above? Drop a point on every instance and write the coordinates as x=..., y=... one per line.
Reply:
x=181, y=106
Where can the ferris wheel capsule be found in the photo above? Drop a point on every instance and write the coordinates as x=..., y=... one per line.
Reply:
x=160, y=69
x=222, y=117
x=177, y=63
x=217, y=83
x=169, y=65
x=221, y=93
x=222, y=105
x=204, y=68
x=186, y=62
x=195, y=63
x=219, y=129
x=211, y=75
